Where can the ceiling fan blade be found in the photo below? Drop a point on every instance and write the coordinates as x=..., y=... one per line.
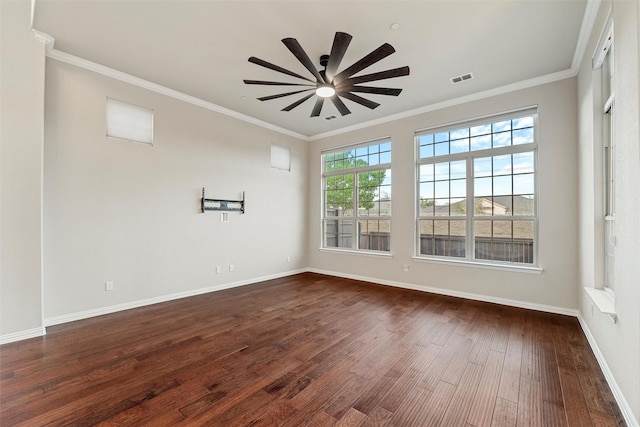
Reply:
x=375, y=56
x=263, y=82
x=280, y=95
x=375, y=90
x=274, y=67
x=318, y=107
x=340, y=105
x=298, y=102
x=360, y=100
x=340, y=43
x=387, y=74
x=295, y=48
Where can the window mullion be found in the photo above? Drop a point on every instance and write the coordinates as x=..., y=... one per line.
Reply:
x=356, y=223
x=470, y=211
x=357, y=169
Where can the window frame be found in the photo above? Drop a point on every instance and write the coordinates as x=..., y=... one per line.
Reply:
x=604, y=64
x=470, y=217
x=356, y=217
x=602, y=292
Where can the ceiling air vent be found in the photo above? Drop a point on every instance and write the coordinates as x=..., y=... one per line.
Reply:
x=461, y=78
x=331, y=117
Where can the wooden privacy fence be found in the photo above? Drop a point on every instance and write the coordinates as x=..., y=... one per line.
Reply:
x=496, y=249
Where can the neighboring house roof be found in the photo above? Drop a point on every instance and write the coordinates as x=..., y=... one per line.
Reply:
x=500, y=205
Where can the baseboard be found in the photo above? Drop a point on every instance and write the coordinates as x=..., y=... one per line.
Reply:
x=452, y=293
x=627, y=413
x=22, y=335
x=57, y=320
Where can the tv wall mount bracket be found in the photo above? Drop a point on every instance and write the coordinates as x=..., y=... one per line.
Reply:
x=221, y=204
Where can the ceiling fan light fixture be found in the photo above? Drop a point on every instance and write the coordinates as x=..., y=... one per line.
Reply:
x=325, y=91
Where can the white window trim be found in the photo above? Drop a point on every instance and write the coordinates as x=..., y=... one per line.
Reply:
x=378, y=254
x=469, y=259
x=489, y=265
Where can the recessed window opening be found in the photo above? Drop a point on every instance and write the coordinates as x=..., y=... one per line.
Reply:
x=129, y=122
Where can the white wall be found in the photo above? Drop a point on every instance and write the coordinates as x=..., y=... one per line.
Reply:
x=555, y=289
x=617, y=344
x=21, y=115
x=130, y=213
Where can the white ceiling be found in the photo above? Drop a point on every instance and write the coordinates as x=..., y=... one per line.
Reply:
x=200, y=48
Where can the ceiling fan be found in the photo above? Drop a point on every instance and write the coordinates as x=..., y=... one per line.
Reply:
x=327, y=83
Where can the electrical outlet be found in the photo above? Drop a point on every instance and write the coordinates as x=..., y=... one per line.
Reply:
x=108, y=286
x=231, y=267
x=218, y=270
x=288, y=259
x=405, y=267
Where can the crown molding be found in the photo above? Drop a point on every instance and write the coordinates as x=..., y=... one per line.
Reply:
x=524, y=84
x=44, y=38
x=61, y=56
x=588, y=21
x=586, y=28
x=33, y=12
x=154, y=87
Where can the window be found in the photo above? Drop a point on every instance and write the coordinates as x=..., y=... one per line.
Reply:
x=129, y=122
x=476, y=190
x=280, y=157
x=603, y=293
x=357, y=197
x=603, y=61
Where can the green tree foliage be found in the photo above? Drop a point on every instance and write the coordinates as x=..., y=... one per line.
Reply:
x=426, y=203
x=340, y=187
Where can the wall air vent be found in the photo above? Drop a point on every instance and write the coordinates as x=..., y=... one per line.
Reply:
x=461, y=78
x=331, y=117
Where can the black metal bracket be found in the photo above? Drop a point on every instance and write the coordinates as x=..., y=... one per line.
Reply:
x=221, y=204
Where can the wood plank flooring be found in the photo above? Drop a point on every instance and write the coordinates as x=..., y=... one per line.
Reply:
x=309, y=350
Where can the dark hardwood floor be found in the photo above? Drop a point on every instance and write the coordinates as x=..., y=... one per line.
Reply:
x=309, y=350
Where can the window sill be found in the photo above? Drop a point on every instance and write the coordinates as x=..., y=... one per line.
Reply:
x=354, y=252
x=467, y=263
x=604, y=299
